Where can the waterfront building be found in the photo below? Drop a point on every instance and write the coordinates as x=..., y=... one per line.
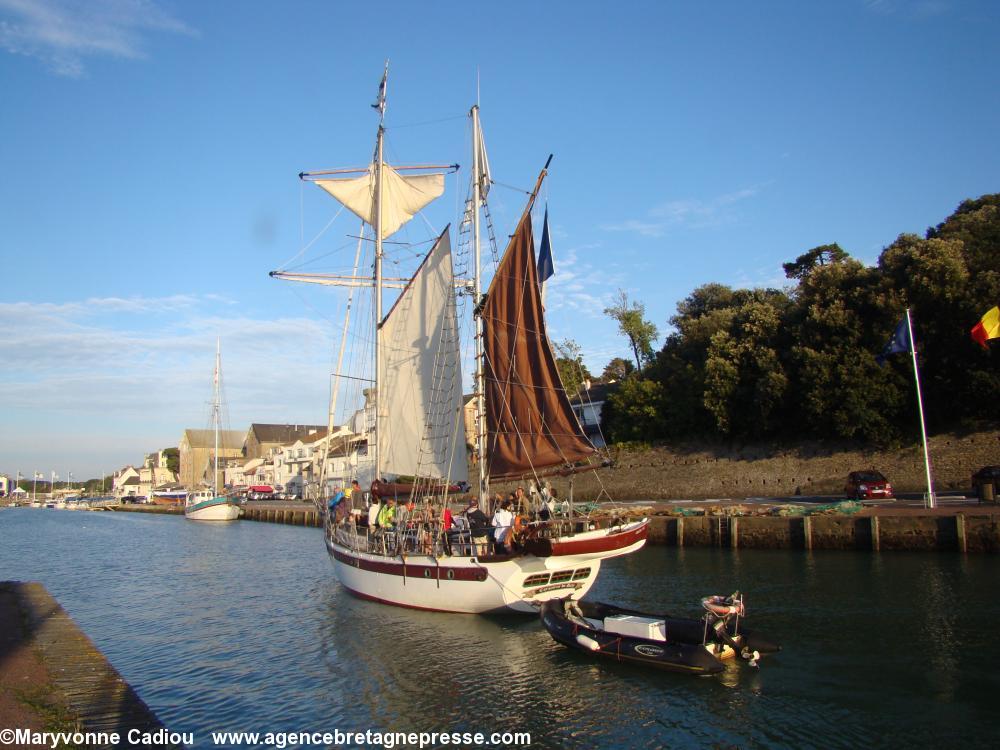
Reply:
x=196, y=448
x=151, y=477
x=588, y=404
x=347, y=458
x=126, y=483
x=262, y=438
x=296, y=466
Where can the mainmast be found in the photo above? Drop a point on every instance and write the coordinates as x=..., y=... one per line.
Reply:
x=480, y=393
x=217, y=418
x=377, y=224
x=384, y=197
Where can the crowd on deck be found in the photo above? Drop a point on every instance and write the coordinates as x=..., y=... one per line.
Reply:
x=393, y=525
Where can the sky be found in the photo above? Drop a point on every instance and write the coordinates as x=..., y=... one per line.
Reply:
x=150, y=153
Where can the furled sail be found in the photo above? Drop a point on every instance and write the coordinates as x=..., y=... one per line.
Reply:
x=402, y=195
x=421, y=424
x=529, y=420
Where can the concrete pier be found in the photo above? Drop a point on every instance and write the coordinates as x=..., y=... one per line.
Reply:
x=55, y=679
x=968, y=528
x=300, y=515
x=956, y=532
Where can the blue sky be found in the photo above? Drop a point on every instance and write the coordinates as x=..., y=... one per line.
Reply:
x=150, y=153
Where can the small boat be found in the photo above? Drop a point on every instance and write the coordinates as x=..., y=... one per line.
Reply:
x=695, y=646
x=207, y=505
x=169, y=496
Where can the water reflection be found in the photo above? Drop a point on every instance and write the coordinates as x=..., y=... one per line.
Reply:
x=244, y=627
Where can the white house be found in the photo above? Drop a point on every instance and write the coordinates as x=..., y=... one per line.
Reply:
x=126, y=483
x=588, y=404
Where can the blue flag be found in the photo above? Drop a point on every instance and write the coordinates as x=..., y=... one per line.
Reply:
x=900, y=342
x=545, y=265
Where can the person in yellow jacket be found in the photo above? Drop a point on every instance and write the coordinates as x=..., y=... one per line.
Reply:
x=387, y=516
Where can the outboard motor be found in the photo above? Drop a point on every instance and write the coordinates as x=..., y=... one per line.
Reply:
x=720, y=610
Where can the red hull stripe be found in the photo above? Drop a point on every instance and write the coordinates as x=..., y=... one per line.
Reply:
x=607, y=543
x=398, y=568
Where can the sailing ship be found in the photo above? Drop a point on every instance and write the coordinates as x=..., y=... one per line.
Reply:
x=208, y=504
x=525, y=425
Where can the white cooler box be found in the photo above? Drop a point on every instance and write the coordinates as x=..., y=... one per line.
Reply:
x=636, y=627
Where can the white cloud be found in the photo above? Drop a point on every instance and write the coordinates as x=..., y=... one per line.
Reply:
x=143, y=367
x=62, y=33
x=918, y=8
x=644, y=228
x=578, y=287
x=690, y=213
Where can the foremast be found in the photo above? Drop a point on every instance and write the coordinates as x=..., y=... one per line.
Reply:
x=385, y=200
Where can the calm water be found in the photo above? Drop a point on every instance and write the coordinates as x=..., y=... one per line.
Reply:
x=243, y=627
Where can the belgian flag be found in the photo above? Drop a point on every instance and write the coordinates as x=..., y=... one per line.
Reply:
x=987, y=328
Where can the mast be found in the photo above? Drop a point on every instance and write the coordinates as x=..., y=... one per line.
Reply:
x=480, y=394
x=217, y=418
x=378, y=262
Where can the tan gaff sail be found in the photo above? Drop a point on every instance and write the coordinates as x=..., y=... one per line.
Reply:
x=402, y=196
x=529, y=420
x=421, y=424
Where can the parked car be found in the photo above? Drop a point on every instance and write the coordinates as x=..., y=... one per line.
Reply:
x=986, y=475
x=868, y=484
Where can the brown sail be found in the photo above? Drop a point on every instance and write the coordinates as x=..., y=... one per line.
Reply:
x=529, y=421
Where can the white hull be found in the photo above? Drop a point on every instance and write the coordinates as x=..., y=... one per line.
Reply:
x=464, y=584
x=216, y=512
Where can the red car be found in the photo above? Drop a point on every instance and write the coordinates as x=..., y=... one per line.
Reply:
x=865, y=485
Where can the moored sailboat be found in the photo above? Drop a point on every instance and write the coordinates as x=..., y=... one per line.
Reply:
x=208, y=504
x=524, y=427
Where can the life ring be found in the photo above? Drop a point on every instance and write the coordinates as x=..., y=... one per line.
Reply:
x=723, y=606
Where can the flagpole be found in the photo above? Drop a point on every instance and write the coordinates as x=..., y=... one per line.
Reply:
x=920, y=407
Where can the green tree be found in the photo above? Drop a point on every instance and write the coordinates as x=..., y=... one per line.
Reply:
x=819, y=256
x=745, y=380
x=843, y=316
x=634, y=411
x=931, y=276
x=569, y=362
x=173, y=456
x=617, y=369
x=632, y=324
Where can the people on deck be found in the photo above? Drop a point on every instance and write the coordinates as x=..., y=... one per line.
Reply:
x=334, y=505
x=479, y=527
x=387, y=515
x=373, y=511
x=447, y=524
x=502, y=522
x=520, y=502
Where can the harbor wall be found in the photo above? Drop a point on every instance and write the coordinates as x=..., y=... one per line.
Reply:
x=965, y=531
x=291, y=516
x=960, y=532
x=77, y=682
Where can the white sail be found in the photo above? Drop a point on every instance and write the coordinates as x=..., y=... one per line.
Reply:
x=402, y=196
x=420, y=426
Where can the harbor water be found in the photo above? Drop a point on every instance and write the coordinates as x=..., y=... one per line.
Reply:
x=243, y=627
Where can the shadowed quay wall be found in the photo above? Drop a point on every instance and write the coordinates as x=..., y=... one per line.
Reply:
x=960, y=532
